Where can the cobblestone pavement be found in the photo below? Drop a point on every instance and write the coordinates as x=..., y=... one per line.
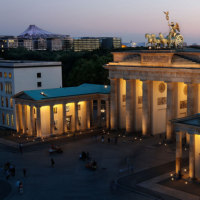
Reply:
x=69, y=179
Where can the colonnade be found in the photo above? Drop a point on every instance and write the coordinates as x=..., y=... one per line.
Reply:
x=179, y=138
x=172, y=104
x=39, y=120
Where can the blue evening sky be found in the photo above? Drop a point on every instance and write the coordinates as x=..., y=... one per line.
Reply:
x=128, y=19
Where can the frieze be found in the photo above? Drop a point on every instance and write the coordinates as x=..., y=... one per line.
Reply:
x=155, y=59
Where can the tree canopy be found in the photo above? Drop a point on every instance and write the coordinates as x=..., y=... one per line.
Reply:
x=77, y=67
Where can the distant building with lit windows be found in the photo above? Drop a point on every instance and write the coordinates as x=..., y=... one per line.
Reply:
x=16, y=76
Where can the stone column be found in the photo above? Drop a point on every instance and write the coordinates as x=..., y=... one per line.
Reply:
x=64, y=116
x=130, y=108
x=88, y=107
x=192, y=157
x=146, y=108
x=76, y=116
x=170, y=112
x=51, y=120
x=99, y=112
x=17, y=117
x=31, y=120
x=178, y=152
x=23, y=119
x=114, y=104
x=191, y=94
x=38, y=122
x=107, y=114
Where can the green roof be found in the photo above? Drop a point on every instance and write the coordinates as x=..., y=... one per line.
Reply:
x=83, y=89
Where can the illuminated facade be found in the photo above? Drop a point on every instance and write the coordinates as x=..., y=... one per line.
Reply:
x=44, y=113
x=149, y=88
x=190, y=125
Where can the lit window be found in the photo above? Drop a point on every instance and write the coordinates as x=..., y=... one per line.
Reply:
x=7, y=120
x=0, y=74
x=12, y=120
x=11, y=103
x=5, y=75
x=39, y=84
x=55, y=110
x=8, y=88
x=10, y=75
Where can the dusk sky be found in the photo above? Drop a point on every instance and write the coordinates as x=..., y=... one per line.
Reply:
x=128, y=19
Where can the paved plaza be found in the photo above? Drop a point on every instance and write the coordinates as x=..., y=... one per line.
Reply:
x=69, y=179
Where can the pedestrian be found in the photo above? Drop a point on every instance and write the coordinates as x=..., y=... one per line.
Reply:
x=20, y=148
x=17, y=184
x=24, y=172
x=52, y=162
x=21, y=190
x=12, y=170
x=108, y=139
x=102, y=139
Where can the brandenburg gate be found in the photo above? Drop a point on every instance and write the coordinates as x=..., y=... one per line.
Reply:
x=149, y=88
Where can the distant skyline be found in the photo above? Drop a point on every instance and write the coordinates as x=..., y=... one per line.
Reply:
x=128, y=19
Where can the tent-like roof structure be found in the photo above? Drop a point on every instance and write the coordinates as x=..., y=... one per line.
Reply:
x=33, y=32
x=44, y=94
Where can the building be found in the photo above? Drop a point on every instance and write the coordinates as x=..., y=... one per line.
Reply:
x=16, y=76
x=25, y=43
x=111, y=42
x=44, y=40
x=151, y=87
x=54, y=44
x=86, y=44
x=188, y=125
x=7, y=42
x=47, y=112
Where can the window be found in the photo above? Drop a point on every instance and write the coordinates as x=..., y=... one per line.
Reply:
x=12, y=120
x=0, y=74
x=2, y=101
x=1, y=86
x=5, y=74
x=39, y=84
x=10, y=75
x=8, y=88
x=7, y=102
x=7, y=120
x=55, y=110
x=39, y=75
x=11, y=103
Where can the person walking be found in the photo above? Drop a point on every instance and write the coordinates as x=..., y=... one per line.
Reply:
x=24, y=172
x=52, y=162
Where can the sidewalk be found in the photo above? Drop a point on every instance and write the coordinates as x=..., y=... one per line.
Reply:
x=5, y=189
x=133, y=182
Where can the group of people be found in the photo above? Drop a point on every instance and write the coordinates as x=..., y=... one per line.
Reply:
x=109, y=139
x=92, y=164
x=9, y=171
